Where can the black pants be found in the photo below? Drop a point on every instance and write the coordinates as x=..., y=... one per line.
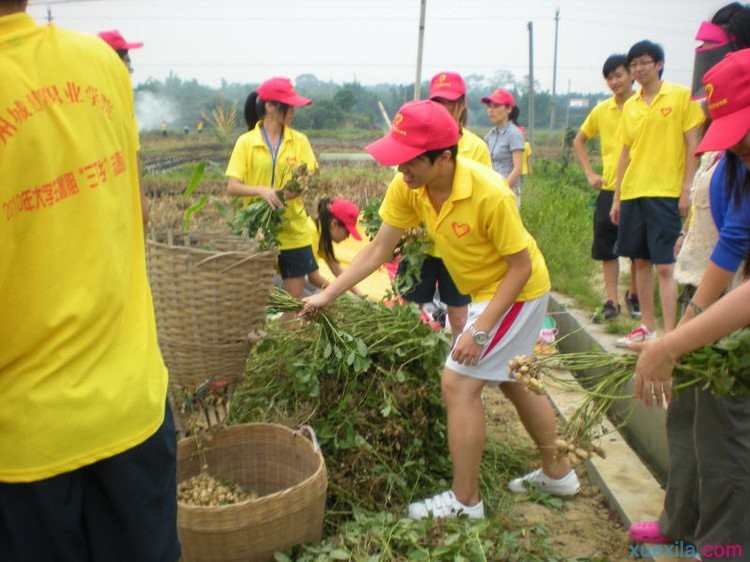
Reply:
x=708, y=493
x=120, y=509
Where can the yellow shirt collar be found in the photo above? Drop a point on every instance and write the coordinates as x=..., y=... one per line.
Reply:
x=256, y=137
x=461, y=187
x=16, y=23
x=666, y=89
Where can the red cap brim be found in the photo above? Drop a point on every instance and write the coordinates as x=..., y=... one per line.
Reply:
x=725, y=132
x=450, y=96
x=352, y=229
x=129, y=46
x=388, y=152
x=295, y=100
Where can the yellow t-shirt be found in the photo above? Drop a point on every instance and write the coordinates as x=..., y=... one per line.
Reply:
x=474, y=148
x=81, y=375
x=604, y=120
x=526, y=158
x=252, y=164
x=655, y=135
x=375, y=286
x=477, y=226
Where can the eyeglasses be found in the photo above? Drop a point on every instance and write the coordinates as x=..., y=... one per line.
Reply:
x=641, y=63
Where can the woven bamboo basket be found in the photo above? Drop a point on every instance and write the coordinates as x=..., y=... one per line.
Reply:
x=284, y=467
x=210, y=294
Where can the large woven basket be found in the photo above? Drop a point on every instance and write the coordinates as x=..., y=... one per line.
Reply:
x=287, y=471
x=210, y=294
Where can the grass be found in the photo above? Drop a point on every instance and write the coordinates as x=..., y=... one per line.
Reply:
x=556, y=209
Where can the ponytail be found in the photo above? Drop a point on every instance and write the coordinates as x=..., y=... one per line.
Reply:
x=255, y=110
x=513, y=115
x=324, y=228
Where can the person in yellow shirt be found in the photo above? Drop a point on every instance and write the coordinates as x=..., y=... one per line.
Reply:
x=604, y=121
x=449, y=90
x=337, y=220
x=87, y=441
x=470, y=213
x=659, y=132
x=262, y=161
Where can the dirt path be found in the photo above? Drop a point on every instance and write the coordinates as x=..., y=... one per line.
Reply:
x=583, y=528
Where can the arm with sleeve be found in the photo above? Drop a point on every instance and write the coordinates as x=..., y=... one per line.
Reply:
x=732, y=220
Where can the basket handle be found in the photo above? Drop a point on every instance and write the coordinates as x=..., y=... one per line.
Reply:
x=309, y=432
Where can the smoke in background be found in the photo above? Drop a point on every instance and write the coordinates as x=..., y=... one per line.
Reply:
x=151, y=110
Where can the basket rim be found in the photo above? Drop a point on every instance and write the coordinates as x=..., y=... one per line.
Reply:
x=269, y=497
x=254, y=252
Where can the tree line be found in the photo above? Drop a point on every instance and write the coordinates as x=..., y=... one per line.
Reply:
x=353, y=105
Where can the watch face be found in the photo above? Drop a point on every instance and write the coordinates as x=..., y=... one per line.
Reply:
x=481, y=338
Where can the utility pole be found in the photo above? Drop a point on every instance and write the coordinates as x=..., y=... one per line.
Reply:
x=49, y=14
x=567, y=110
x=554, y=74
x=418, y=81
x=531, y=82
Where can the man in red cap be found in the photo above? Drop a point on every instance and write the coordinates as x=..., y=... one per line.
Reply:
x=114, y=39
x=471, y=215
x=449, y=90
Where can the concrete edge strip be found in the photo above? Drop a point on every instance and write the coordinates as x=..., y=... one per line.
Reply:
x=629, y=487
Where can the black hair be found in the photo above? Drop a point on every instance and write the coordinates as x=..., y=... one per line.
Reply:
x=325, y=217
x=513, y=115
x=255, y=109
x=735, y=19
x=647, y=48
x=614, y=62
x=433, y=155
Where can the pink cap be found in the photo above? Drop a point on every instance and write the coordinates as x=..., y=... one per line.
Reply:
x=500, y=97
x=281, y=90
x=447, y=86
x=347, y=213
x=714, y=34
x=727, y=88
x=419, y=126
x=115, y=40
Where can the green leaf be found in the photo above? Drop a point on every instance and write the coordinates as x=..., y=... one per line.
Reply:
x=281, y=557
x=195, y=179
x=191, y=210
x=340, y=554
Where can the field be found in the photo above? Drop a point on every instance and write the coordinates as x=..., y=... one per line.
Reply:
x=530, y=527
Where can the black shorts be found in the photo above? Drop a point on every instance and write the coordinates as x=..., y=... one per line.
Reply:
x=297, y=262
x=119, y=509
x=605, y=231
x=434, y=275
x=649, y=228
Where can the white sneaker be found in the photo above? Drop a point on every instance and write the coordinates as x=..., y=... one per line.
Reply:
x=638, y=335
x=445, y=505
x=568, y=485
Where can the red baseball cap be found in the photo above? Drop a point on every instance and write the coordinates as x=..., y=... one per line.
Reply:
x=500, y=97
x=115, y=40
x=419, y=126
x=727, y=88
x=447, y=86
x=281, y=90
x=347, y=213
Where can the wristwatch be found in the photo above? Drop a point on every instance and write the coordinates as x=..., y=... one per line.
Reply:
x=481, y=338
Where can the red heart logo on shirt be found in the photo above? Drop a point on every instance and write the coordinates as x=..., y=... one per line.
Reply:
x=666, y=111
x=461, y=230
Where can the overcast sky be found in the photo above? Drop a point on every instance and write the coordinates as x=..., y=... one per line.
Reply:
x=376, y=40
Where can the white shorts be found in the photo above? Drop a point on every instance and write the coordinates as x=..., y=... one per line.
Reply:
x=515, y=333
